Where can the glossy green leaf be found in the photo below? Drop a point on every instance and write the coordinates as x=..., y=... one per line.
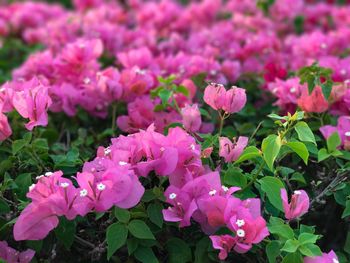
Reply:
x=271, y=147
x=117, y=234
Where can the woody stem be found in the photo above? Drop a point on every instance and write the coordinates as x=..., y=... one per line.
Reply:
x=221, y=123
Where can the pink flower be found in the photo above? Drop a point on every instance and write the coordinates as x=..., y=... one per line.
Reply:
x=191, y=118
x=207, y=152
x=231, y=151
x=342, y=128
x=214, y=96
x=230, y=101
x=5, y=129
x=315, y=102
x=298, y=205
x=331, y=257
x=32, y=103
x=35, y=222
x=235, y=99
x=248, y=230
x=10, y=255
x=224, y=243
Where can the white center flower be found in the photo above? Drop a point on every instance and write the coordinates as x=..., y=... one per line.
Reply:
x=122, y=163
x=347, y=133
x=48, y=174
x=212, y=192
x=225, y=188
x=293, y=90
x=83, y=192
x=87, y=80
x=101, y=187
x=193, y=147
x=172, y=196
x=31, y=187
x=240, y=222
x=335, y=260
x=297, y=192
x=107, y=151
x=240, y=233
x=64, y=185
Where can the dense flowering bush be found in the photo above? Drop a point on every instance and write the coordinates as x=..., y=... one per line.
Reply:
x=175, y=131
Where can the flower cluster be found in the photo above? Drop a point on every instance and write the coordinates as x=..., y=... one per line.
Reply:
x=104, y=54
x=54, y=196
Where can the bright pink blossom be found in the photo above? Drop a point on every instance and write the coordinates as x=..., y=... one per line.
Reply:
x=33, y=103
x=315, y=102
x=330, y=257
x=298, y=206
x=224, y=243
x=191, y=118
x=231, y=151
x=10, y=255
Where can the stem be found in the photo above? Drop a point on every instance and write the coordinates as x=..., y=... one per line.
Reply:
x=221, y=123
x=261, y=167
x=177, y=108
x=84, y=242
x=114, y=116
x=339, y=178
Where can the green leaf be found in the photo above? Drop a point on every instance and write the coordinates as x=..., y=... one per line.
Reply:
x=272, y=187
x=40, y=145
x=304, y=132
x=347, y=243
x=205, y=113
x=234, y=177
x=117, y=234
x=165, y=95
x=299, y=24
x=19, y=144
x=140, y=230
x=179, y=251
x=310, y=250
x=65, y=232
x=322, y=155
x=272, y=251
x=201, y=252
x=145, y=255
x=346, y=212
x=307, y=229
x=300, y=149
x=327, y=88
x=155, y=215
x=277, y=117
x=293, y=258
x=333, y=142
x=307, y=238
x=278, y=227
x=23, y=181
x=132, y=245
x=4, y=207
x=183, y=90
x=249, y=153
x=291, y=246
x=298, y=177
x=123, y=215
x=271, y=147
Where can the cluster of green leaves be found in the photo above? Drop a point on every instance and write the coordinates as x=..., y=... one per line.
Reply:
x=315, y=75
x=166, y=92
